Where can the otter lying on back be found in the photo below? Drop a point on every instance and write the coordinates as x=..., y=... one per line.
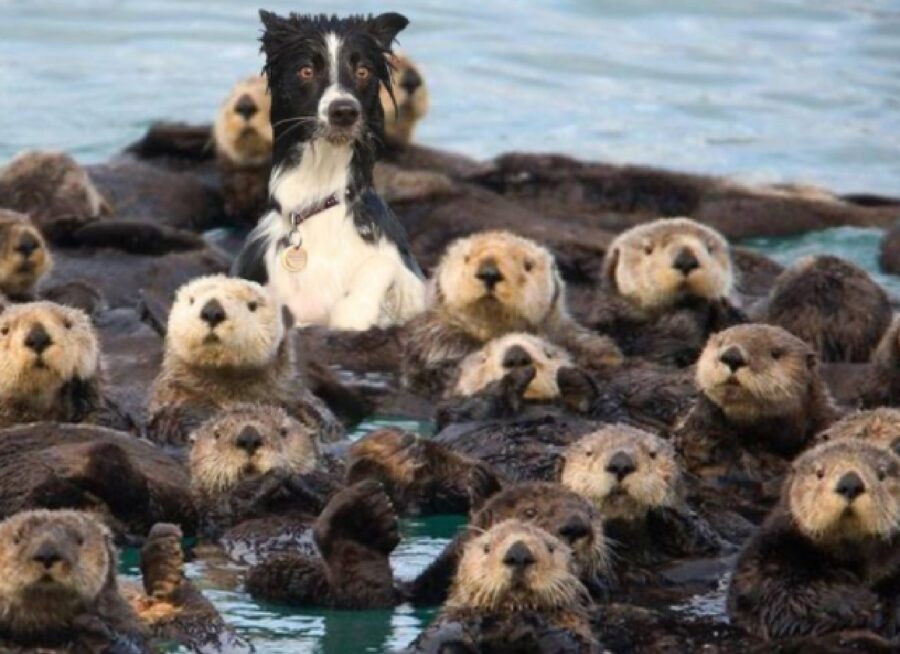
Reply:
x=827, y=559
x=488, y=285
x=514, y=591
x=24, y=257
x=51, y=368
x=226, y=344
x=880, y=426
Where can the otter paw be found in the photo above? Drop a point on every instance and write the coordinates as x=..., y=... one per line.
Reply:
x=515, y=383
x=361, y=513
x=600, y=352
x=162, y=561
x=577, y=389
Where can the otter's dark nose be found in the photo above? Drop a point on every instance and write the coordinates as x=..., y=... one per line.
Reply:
x=411, y=80
x=38, y=339
x=249, y=440
x=733, y=358
x=245, y=106
x=489, y=274
x=212, y=313
x=47, y=555
x=27, y=245
x=516, y=357
x=850, y=486
x=686, y=261
x=621, y=465
x=343, y=113
x=518, y=556
x=575, y=529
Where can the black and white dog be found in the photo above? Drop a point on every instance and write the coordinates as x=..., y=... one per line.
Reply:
x=329, y=248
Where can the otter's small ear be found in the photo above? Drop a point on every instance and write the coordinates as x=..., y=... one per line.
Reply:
x=812, y=361
x=287, y=318
x=610, y=263
x=386, y=27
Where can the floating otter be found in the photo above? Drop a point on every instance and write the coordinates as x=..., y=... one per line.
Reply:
x=59, y=586
x=761, y=402
x=833, y=305
x=51, y=368
x=24, y=257
x=633, y=479
x=226, y=344
x=514, y=591
x=666, y=289
x=881, y=379
x=406, y=104
x=488, y=285
x=827, y=559
x=555, y=509
x=881, y=426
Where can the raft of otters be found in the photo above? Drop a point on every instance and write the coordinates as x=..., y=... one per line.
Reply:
x=629, y=409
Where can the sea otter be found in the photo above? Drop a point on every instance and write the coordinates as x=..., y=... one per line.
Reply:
x=52, y=368
x=827, y=558
x=226, y=344
x=761, y=402
x=833, y=305
x=485, y=286
x=406, y=104
x=514, y=591
x=881, y=379
x=24, y=257
x=666, y=287
x=881, y=426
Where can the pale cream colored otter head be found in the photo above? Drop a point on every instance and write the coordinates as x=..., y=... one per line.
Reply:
x=243, y=131
x=501, y=355
x=43, y=346
x=757, y=371
x=880, y=426
x=50, y=185
x=845, y=490
x=515, y=566
x=53, y=567
x=223, y=322
x=496, y=282
x=24, y=257
x=660, y=263
x=625, y=472
x=245, y=441
x=410, y=102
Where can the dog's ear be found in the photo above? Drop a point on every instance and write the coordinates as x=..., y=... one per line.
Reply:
x=386, y=27
x=270, y=19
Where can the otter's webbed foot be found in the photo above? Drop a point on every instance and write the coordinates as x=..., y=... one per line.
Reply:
x=362, y=513
x=684, y=533
x=162, y=561
x=291, y=579
x=92, y=634
x=277, y=491
x=498, y=400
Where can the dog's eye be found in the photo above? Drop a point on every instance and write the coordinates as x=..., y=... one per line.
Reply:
x=191, y=301
x=777, y=353
x=306, y=73
x=362, y=73
x=252, y=306
x=529, y=265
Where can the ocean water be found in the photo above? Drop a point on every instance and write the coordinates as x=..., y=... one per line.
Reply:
x=770, y=90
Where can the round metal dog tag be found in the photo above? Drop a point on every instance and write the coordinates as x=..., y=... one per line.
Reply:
x=293, y=258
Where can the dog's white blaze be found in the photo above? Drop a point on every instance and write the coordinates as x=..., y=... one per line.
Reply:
x=334, y=91
x=333, y=45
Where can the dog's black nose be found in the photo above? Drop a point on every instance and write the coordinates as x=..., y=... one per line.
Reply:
x=575, y=529
x=245, y=106
x=47, y=555
x=27, y=245
x=850, y=486
x=343, y=113
x=621, y=465
x=212, y=313
x=411, y=80
x=489, y=274
x=38, y=339
x=686, y=261
x=516, y=357
x=733, y=358
x=249, y=440
x=518, y=556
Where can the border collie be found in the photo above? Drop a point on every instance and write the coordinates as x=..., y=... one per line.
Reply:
x=329, y=248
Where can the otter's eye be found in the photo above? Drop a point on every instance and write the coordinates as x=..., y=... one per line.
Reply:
x=820, y=473
x=284, y=432
x=648, y=249
x=362, y=73
x=80, y=541
x=777, y=353
x=306, y=73
x=67, y=324
x=467, y=259
x=589, y=452
x=252, y=306
x=882, y=473
x=191, y=301
x=529, y=265
x=530, y=512
x=216, y=435
x=710, y=247
x=4, y=330
x=551, y=548
x=487, y=549
x=653, y=454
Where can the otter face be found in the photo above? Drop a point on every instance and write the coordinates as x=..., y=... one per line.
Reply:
x=880, y=426
x=506, y=353
x=515, y=566
x=54, y=563
x=499, y=275
x=242, y=131
x=42, y=346
x=756, y=371
x=246, y=441
x=410, y=102
x=24, y=257
x=658, y=264
x=558, y=511
x=623, y=471
x=846, y=490
x=218, y=321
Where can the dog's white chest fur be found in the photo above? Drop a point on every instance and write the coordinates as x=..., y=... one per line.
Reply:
x=347, y=283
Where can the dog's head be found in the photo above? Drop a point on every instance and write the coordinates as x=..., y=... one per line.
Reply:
x=324, y=76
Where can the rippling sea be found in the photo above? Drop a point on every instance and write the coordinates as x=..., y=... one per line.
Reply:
x=769, y=90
